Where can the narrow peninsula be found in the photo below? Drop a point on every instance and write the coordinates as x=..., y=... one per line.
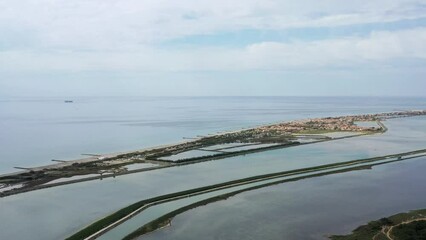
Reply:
x=201, y=148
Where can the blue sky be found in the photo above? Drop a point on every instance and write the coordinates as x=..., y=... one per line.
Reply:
x=212, y=48
x=243, y=37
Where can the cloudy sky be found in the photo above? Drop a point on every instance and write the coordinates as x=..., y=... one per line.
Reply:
x=221, y=47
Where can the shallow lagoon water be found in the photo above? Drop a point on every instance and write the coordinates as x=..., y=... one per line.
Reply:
x=159, y=210
x=308, y=209
x=58, y=212
x=227, y=146
x=187, y=154
x=82, y=203
x=211, y=151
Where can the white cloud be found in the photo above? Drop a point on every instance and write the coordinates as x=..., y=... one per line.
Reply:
x=118, y=24
x=117, y=35
x=378, y=47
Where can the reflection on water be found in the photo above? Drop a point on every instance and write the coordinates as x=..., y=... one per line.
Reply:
x=36, y=130
x=140, y=166
x=188, y=154
x=307, y=209
x=58, y=212
x=215, y=150
x=156, y=211
x=39, y=210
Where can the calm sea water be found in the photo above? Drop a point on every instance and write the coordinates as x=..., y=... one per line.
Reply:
x=37, y=130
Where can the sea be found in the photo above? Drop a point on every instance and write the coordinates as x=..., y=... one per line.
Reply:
x=35, y=130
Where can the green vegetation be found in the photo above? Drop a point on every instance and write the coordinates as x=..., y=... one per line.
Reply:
x=40, y=184
x=166, y=219
x=368, y=231
x=398, y=226
x=236, y=153
x=411, y=231
x=280, y=134
x=113, y=218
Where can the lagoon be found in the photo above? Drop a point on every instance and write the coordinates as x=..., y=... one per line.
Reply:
x=58, y=212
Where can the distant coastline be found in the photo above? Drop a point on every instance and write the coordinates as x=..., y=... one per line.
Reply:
x=104, y=225
x=217, y=146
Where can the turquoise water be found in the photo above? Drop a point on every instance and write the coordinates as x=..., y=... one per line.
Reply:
x=35, y=131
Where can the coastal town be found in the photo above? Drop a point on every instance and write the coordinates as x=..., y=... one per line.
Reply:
x=244, y=141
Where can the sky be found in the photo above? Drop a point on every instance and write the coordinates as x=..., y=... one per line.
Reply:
x=212, y=48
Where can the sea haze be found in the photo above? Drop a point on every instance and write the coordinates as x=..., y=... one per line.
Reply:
x=36, y=130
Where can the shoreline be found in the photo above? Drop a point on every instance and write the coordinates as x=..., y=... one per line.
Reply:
x=282, y=135
x=187, y=140
x=382, y=228
x=169, y=165
x=105, y=224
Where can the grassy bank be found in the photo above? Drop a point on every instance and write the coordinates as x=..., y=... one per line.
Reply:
x=125, y=212
x=166, y=219
x=379, y=229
